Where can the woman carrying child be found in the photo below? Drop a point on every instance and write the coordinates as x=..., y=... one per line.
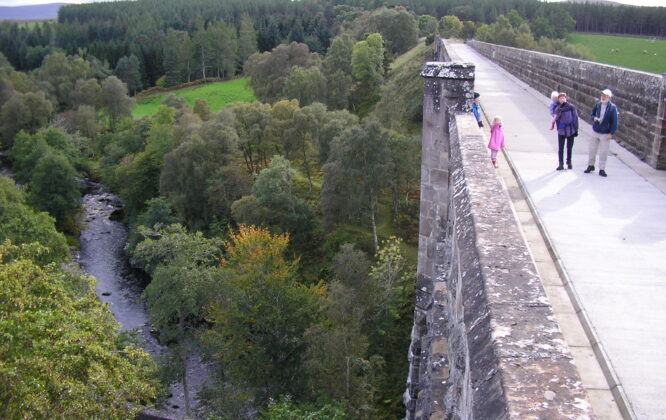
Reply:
x=566, y=121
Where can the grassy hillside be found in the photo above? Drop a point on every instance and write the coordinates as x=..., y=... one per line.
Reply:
x=217, y=95
x=414, y=54
x=625, y=51
x=402, y=94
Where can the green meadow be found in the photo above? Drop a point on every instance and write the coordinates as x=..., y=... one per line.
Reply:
x=644, y=54
x=410, y=55
x=218, y=95
x=28, y=25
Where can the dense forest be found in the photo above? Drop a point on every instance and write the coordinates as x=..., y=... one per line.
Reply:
x=274, y=233
x=630, y=20
x=165, y=43
x=278, y=236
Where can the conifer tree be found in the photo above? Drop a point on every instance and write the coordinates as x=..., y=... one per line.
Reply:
x=247, y=39
x=127, y=70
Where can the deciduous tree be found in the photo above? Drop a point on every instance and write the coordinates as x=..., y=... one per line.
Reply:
x=367, y=71
x=515, y=18
x=203, y=47
x=303, y=136
x=427, y=25
x=86, y=92
x=60, y=351
x=192, y=165
x=450, y=27
x=179, y=291
x=27, y=111
x=261, y=314
x=20, y=224
x=338, y=71
x=224, y=49
x=397, y=27
x=171, y=62
x=138, y=175
x=307, y=85
x=275, y=205
x=53, y=187
x=336, y=356
x=287, y=409
x=252, y=121
x=355, y=174
x=269, y=70
x=202, y=109
x=114, y=99
x=25, y=152
x=168, y=244
x=336, y=122
x=84, y=121
x=59, y=74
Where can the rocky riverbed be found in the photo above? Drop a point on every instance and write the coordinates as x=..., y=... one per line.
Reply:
x=102, y=255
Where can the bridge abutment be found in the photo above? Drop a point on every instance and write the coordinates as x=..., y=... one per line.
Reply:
x=448, y=88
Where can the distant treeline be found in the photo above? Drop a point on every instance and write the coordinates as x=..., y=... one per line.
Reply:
x=590, y=17
x=168, y=42
x=631, y=20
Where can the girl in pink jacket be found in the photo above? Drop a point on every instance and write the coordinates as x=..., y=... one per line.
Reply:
x=496, y=139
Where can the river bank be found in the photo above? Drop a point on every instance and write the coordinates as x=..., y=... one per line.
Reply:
x=102, y=255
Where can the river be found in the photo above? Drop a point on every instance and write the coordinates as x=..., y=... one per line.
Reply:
x=102, y=255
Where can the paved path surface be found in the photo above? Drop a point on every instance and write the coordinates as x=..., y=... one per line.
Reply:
x=609, y=233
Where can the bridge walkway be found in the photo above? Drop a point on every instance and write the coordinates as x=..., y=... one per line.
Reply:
x=603, y=245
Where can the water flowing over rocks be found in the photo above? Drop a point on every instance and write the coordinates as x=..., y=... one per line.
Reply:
x=102, y=255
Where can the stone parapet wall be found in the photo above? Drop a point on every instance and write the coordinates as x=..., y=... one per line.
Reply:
x=485, y=343
x=640, y=96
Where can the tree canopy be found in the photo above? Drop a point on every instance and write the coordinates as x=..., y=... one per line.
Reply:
x=20, y=224
x=261, y=314
x=61, y=352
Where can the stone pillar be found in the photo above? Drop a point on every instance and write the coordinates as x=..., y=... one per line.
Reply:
x=448, y=88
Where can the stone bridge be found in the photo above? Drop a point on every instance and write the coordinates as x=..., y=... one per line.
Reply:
x=540, y=294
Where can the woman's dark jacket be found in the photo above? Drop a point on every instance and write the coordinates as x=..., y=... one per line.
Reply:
x=566, y=120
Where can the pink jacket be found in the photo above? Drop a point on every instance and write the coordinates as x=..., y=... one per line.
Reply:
x=496, y=137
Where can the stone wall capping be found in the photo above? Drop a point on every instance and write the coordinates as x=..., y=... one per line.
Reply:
x=448, y=70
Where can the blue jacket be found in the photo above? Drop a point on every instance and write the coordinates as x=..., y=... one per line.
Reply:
x=475, y=109
x=609, y=124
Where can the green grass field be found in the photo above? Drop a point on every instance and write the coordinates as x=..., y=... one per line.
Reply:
x=218, y=95
x=630, y=51
x=410, y=55
x=28, y=25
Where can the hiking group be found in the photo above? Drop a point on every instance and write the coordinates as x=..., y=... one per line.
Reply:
x=604, y=118
x=564, y=118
